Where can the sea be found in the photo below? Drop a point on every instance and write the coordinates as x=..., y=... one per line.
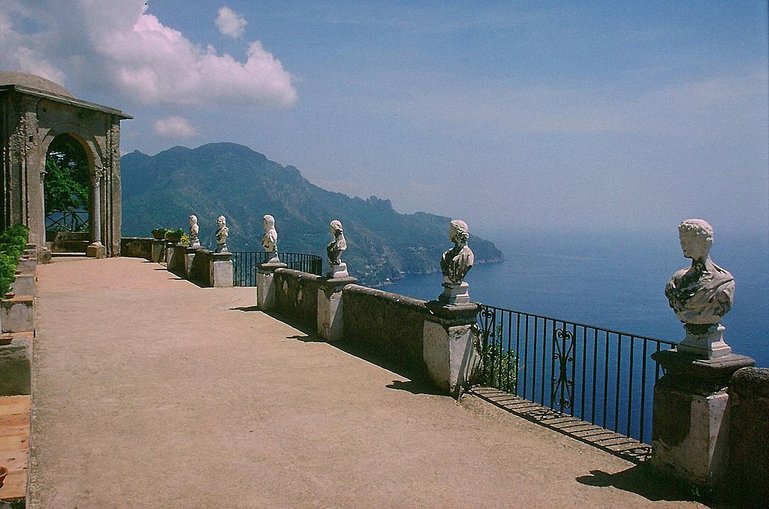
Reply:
x=615, y=281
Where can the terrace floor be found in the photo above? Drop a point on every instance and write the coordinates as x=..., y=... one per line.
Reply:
x=149, y=391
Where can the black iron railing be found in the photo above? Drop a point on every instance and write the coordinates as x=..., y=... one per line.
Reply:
x=66, y=220
x=598, y=375
x=246, y=263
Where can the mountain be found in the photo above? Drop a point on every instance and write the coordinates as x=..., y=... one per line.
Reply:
x=242, y=185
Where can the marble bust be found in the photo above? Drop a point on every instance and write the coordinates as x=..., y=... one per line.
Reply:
x=194, y=231
x=222, y=232
x=270, y=238
x=334, y=250
x=338, y=244
x=701, y=294
x=457, y=261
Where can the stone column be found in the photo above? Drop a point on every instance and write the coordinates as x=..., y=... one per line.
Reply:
x=265, y=284
x=690, y=430
x=449, y=345
x=221, y=270
x=96, y=249
x=330, y=313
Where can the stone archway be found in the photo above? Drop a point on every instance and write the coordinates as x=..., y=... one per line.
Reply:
x=33, y=113
x=66, y=195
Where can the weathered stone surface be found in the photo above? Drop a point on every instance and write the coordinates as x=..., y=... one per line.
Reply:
x=331, y=307
x=296, y=296
x=17, y=313
x=450, y=356
x=24, y=284
x=138, y=247
x=748, y=434
x=265, y=284
x=386, y=324
x=690, y=432
x=221, y=270
x=15, y=361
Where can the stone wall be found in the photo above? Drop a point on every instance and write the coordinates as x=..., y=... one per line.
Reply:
x=387, y=324
x=200, y=271
x=136, y=247
x=296, y=296
x=749, y=436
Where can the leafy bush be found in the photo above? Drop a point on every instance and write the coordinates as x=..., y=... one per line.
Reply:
x=12, y=244
x=499, y=366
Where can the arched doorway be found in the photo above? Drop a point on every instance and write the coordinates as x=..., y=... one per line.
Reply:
x=67, y=195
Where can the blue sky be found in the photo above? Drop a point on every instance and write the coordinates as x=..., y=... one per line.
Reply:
x=510, y=115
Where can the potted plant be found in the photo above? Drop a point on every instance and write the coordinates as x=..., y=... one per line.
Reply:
x=174, y=235
x=159, y=233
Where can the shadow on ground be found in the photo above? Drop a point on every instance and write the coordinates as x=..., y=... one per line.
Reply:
x=643, y=480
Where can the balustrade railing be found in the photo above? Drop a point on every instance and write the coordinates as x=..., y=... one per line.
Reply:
x=246, y=263
x=601, y=376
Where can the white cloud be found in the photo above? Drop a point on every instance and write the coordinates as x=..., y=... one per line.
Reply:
x=230, y=23
x=120, y=45
x=174, y=127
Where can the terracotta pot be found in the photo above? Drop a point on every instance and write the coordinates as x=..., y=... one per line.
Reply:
x=3, y=473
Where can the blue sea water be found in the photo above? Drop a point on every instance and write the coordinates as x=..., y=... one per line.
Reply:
x=615, y=281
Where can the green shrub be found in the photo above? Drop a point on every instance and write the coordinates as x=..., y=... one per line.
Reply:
x=12, y=244
x=499, y=366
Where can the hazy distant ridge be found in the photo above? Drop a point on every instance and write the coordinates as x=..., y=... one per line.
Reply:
x=243, y=185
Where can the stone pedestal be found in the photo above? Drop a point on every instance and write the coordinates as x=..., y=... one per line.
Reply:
x=338, y=271
x=705, y=343
x=265, y=285
x=24, y=284
x=690, y=432
x=449, y=345
x=221, y=271
x=189, y=256
x=455, y=294
x=26, y=264
x=158, y=250
x=96, y=250
x=330, y=312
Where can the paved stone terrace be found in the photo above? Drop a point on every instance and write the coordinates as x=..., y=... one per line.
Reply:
x=149, y=391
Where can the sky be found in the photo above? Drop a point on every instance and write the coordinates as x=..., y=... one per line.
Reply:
x=536, y=115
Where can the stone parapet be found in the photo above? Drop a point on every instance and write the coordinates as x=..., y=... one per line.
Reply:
x=15, y=363
x=296, y=294
x=24, y=284
x=138, y=247
x=386, y=324
x=17, y=313
x=748, y=445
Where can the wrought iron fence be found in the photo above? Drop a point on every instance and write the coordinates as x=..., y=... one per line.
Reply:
x=598, y=375
x=246, y=263
x=66, y=220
